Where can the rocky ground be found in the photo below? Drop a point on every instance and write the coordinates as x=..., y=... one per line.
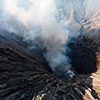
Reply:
x=23, y=74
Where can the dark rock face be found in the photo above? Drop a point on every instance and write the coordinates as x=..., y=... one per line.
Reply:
x=83, y=56
x=23, y=75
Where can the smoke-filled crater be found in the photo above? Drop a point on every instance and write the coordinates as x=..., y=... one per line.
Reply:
x=82, y=58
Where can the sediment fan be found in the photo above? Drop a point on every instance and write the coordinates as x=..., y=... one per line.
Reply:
x=23, y=73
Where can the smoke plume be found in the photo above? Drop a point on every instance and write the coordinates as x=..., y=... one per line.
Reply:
x=52, y=22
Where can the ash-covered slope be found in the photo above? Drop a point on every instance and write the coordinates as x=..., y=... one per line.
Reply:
x=23, y=75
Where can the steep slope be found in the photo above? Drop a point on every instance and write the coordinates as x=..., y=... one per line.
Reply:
x=23, y=76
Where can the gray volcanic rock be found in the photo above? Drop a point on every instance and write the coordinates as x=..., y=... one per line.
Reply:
x=24, y=76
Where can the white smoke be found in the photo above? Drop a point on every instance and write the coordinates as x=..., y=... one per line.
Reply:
x=53, y=21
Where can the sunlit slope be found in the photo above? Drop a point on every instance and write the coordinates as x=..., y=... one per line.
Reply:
x=81, y=15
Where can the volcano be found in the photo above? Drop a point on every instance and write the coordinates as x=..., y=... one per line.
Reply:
x=24, y=74
x=50, y=50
